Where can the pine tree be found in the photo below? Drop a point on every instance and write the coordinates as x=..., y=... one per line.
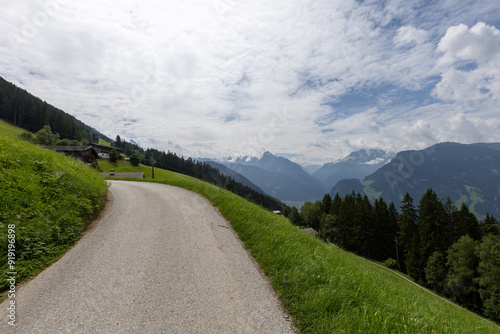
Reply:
x=327, y=203
x=295, y=218
x=433, y=231
x=363, y=228
x=336, y=205
x=465, y=222
x=489, y=226
x=408, y=237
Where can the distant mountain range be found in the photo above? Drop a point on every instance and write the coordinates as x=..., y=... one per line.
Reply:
x=288, y=181
x=235, y=175
x=466, y=173
x=356, y=165
x=278, y=177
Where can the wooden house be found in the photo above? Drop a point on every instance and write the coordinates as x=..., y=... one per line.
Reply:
x=103, y=150
x=85, y=153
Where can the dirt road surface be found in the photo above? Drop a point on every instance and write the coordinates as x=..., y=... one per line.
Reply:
x=162, y=260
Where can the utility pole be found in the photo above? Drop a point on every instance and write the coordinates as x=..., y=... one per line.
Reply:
x=152, y=166
x=397, y=251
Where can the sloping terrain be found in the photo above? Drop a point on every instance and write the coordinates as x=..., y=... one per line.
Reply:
x=278, y=177
x=356, y=165
x=468, y=174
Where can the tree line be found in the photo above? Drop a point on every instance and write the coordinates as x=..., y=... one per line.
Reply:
x=440, y=246
x=26, y=111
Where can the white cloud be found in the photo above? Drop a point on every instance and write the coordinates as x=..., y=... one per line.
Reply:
x=478, y=48
x=409, y=35
x=481, y=43
x=228, y=77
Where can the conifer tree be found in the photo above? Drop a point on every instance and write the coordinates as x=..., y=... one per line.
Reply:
x=433, y=231
x=465, y=222
x=327, y=203
x=336, y=205
x=408, y=236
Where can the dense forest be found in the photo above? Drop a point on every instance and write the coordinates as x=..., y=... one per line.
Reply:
x=439, y=245
x=26, y=111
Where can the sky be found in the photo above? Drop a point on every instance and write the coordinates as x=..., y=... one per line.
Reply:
x=308, y=80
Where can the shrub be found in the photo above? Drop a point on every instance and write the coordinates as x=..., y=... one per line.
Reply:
x=391, y=264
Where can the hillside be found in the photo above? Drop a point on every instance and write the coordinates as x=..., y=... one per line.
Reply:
x=50, y=199
x=278, y=177
x=235, y=175
x=326, y=289
x=466, y=173
x=20, y=108
x=356, y=165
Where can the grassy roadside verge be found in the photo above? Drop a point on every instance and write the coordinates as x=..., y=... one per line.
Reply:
x=325, y=289
x=49, y=198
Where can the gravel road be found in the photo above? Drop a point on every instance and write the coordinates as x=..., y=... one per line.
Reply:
x=162, y=260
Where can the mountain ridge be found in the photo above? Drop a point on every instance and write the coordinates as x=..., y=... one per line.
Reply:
x=467, y=173
x=356, y=165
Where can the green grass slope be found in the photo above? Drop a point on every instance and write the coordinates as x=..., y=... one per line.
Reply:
x=50, y=199
x=125, y=167
x=9, y=130
x=325, y=289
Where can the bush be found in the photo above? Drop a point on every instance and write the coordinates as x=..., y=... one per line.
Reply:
x=391, y=264
x=114, y=155
x=27, y=136
x=135, y=159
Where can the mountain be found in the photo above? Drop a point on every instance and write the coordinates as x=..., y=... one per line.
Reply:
x=311, y=168
x=278, y=177
x=235, y=176
x=466, y=173
x=356, y=165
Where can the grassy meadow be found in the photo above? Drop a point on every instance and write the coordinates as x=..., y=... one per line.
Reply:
x=50, y=199
x=323, y=288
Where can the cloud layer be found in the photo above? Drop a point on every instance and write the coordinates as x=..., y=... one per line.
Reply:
x=228, y=77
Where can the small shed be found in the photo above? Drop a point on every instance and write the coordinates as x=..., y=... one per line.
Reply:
x=85, y=153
